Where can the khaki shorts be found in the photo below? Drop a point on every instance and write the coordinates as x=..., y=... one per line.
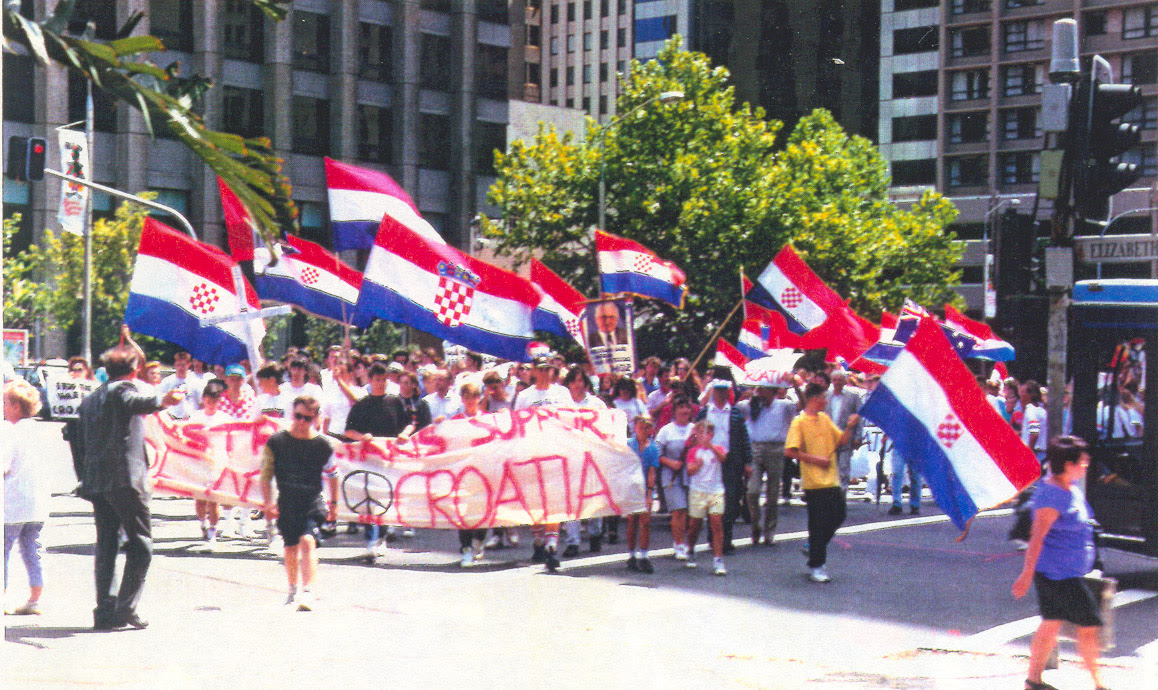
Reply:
x=704, y=503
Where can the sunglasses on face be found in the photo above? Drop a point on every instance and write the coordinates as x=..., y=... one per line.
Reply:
x=304, y=417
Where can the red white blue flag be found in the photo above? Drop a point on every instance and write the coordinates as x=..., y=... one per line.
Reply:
x=627, y=266
x=360, y=198
x=790, y=287
x=437, y=289
x=731, y=357
x=176, y=282
x=308, y=276
x=930, y=405
x=560, y=304
x=987, y=345
x=240, y=228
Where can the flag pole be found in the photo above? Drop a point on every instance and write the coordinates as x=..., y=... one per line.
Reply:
x=716, y=335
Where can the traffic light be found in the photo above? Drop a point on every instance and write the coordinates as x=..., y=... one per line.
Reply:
x=1097, y=140
x=26, y=158
x=1015, y=239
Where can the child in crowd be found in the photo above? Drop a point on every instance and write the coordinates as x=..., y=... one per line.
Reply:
x=706, y=493
x=639, y=524
x=209, y=415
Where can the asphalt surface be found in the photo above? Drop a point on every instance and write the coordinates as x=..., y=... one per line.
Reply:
x=909, y=607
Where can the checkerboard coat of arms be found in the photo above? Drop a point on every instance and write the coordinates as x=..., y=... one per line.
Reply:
x=454, y=295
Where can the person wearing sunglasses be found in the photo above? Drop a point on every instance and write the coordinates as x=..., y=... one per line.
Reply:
x=299, y=459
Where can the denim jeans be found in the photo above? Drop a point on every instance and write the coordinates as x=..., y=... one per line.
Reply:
x=28, y=534
x=899, y=464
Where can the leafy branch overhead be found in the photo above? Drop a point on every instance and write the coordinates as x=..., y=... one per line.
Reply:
x=706, y=183
x=120, y=67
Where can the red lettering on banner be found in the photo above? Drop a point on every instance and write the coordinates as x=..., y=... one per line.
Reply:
x=496, y=432
x=509, y=478
x=433, y=501
x=458, y=492
x=430, y=442
x=585, y=421
x=604, y=490
x=538, y=464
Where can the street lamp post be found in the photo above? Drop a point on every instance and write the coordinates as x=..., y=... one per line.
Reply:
x=664, y=97
x=986, y=309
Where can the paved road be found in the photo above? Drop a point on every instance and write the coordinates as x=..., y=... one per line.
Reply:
x=908, y=608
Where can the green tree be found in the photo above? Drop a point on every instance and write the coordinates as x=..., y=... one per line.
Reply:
x=703, y=184
x=165, y=99
x=19, y=291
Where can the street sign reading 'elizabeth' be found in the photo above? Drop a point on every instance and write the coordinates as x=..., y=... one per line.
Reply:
x=1116, y=249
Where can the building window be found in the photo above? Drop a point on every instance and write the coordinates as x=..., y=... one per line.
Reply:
x=1019, y=168
x=1014, y=4
x=586, y=40
x=311, y=125
x=570, y=103
x=534, y=73
x=1140, y=22
x=493, y=11
x=19, y=103
x=1139, y=68
x=17, y=196
x=434, y=141
x=243, y=31
x=488, y=138
x=916, y=128
x=968, y=6
x=434, y=72
x=912, y=173
x=915, y=84
x=1094, y=23
x=621, y=67
x=655, y=29
x=375, y=134
x=1021, y=80
x=969, y=42
x=375, y=47
x=919, y=40
x=967, y=171
x=101, y=12
x=570, y=11
x=172, y=22
x=104, y=106
x=554, y=14
x=554, y=45
x=586, y=74
x=1021, y=123
x=312, y=220
x=969, y=85
x=1145, y=115
x=603, y=71
x=604, y=8
x=243, y=111
x=586, y=9
x=570, y=43
x=554, y=77
x=311, y=41
x=491, y=71
x=533, y=33
x=621, y=37
x=621, y=7
x=603, y=105
x=967, y=128
x=604, y=40
x=587, y=104
x=436, y=5
x=1023, y=36
x=571, y=76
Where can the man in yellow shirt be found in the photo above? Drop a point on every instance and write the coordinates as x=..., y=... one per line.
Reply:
x=813, y=440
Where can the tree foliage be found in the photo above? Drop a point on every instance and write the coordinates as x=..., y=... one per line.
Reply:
x=704, y=183
x=120, y=67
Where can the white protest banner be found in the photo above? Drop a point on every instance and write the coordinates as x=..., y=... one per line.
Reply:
x=530, y=466
x=65, y=393
x=776, y=369
x=74, y=160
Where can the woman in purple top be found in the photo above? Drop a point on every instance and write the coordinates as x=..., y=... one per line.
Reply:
x=1060, y=553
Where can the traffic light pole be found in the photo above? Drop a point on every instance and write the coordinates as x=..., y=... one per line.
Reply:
x=86, y=346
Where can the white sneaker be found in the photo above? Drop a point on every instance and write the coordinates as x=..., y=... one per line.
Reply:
x=467, y=557
x=718, y=567
x=513, y=537
x=819, y=575
x=212, y=543
x=408, y=533
x=681, y=552
x=370, y=553
x=478, y=549
x=493, y=542
x=306, y=600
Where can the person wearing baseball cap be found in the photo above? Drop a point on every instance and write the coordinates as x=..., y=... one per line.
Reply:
x=768, y=414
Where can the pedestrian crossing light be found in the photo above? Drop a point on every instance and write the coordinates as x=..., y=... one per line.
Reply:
x=1098, y=174
x=26, y=158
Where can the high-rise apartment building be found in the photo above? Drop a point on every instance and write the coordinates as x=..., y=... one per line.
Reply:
x=960, y=97
x=570, y=53
x=417, y=88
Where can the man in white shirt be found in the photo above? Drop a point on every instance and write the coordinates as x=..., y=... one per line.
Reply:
x=443, y=403
x=298, y=386
x=182, y=379
x=544, y=392
x=768, y=414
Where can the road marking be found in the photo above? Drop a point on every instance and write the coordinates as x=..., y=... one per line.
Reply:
x=1008, y=632
x=591, y=561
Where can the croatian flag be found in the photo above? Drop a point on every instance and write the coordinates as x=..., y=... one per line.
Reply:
x=176, y=282
x=773, y=326
x=728, y=356
x=930, y=405
x=239, y=226
x=790, y=287
x=753, y=338
x=360, y=198
x=987, y=345
x=309, y=277
x=626, y=266
x=559, y=304
x=439, y=290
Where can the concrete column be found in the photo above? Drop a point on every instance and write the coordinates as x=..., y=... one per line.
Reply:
x=208, y=61
x=464, y=51
x=277, y=77
x=344, y=79
x=407, y=51
x=133, y=140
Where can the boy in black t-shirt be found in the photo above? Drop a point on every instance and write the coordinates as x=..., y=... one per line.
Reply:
x=298, y=459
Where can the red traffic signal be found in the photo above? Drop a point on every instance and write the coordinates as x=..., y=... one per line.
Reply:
x=26, y=158
x=37, y=156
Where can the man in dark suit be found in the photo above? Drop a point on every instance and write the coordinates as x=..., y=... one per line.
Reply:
x=114, y=469
x=608, y=332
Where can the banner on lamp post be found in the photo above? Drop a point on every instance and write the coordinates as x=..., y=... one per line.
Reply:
x=75, y=161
